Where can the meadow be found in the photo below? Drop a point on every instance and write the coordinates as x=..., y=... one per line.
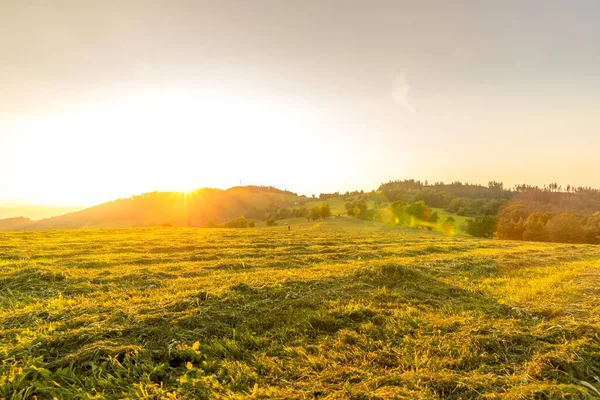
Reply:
x=339, y=309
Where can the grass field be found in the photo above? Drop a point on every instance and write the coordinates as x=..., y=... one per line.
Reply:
x=340, y=309
x=459, y=220
x=337, y=205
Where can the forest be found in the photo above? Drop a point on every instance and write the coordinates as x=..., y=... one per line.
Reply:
x=551, y=213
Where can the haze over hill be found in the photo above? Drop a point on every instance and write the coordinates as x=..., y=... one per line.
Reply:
x=157, y=208
x=33, y=211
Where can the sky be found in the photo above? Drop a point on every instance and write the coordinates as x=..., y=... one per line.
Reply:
x=100, y=100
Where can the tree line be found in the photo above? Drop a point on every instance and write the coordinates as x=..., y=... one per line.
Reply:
x=322, y=211
x=554, y=213
x=517, y=222
x=478, y=200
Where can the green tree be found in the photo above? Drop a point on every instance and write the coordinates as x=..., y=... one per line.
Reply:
x=449, y=225
x=481, y=226
x=239, y=222
x=300, y=212
x=271, y=221
x=434, y=218
x=398, y=209
x=511, y=221
x=284, y=213
x=360, y=209
x=591, y=225
x=325, y=211
x=315, y=213
x=565, y=228
x=535, y=227
x=357, y=208
x=349, y=209
x=372, y=214
x=419, y=210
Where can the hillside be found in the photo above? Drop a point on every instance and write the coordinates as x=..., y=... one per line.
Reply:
x=340, y=309
x=179, y=209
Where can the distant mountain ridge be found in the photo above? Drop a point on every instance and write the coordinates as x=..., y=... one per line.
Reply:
x=196, y=208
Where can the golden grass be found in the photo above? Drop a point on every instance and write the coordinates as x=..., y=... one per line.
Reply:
x=342, y=309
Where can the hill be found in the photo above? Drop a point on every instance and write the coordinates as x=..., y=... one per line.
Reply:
x=343, y=309
x=154, y=209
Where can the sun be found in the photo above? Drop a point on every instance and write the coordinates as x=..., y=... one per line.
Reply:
x=165, y=141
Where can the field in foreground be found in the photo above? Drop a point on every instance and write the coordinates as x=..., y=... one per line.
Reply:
x=337, y=309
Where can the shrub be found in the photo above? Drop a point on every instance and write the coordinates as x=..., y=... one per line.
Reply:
x=481, y=226
x=356, y=208
x=239, y=222
x=434, y=218
x=271, y=221
x=449, y=225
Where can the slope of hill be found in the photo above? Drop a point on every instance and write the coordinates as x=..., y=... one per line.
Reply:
x=340, y=309
x=156, y=208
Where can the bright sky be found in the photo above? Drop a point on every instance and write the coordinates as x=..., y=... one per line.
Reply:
x=107, y=99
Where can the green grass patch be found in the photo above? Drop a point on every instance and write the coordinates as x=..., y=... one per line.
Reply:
x=459, y=220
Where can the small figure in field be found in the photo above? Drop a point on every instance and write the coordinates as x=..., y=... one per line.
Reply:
x=289, y=227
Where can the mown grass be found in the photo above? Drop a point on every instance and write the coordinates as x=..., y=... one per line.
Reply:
x=340, y=309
